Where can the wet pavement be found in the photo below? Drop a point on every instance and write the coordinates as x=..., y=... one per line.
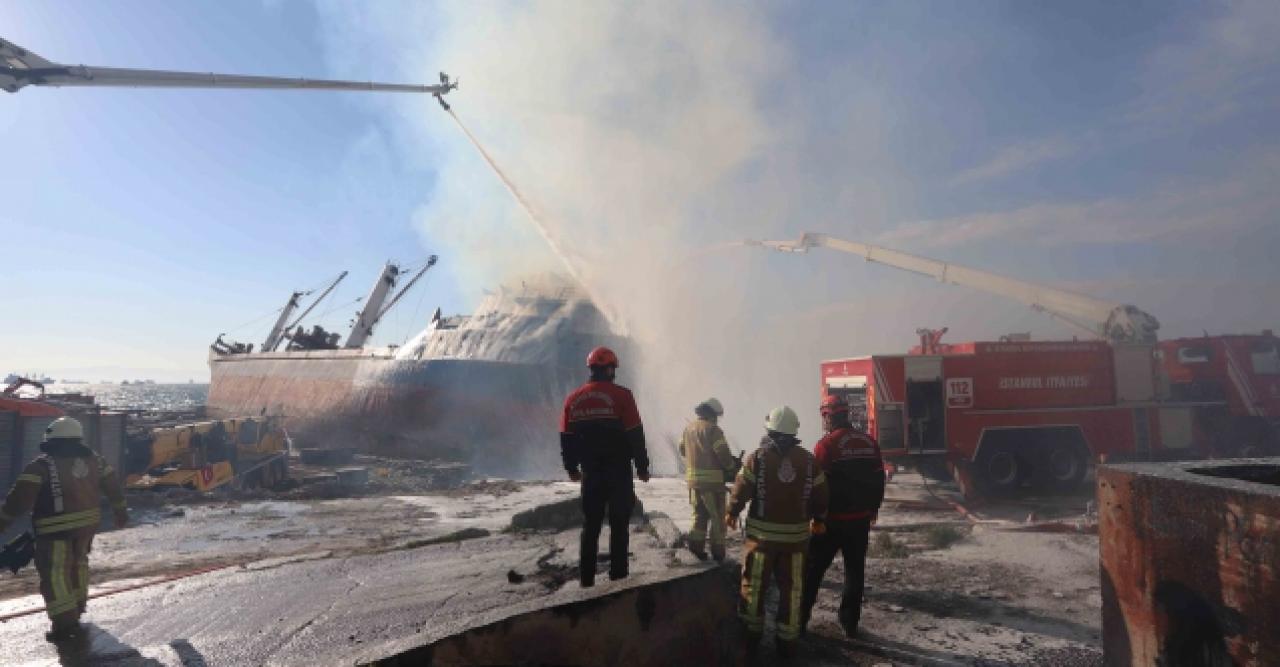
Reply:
x=342, y=582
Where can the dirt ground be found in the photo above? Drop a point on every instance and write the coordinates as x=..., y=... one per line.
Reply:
x=1010, y=583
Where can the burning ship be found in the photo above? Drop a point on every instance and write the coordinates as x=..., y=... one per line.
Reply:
x=484, y=388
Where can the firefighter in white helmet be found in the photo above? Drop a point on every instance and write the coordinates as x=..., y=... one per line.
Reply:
x=62, y=488
x=708, y=466
x=787, y=492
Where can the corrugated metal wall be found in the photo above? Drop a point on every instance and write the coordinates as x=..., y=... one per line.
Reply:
x=20, y=439
x=9, y=461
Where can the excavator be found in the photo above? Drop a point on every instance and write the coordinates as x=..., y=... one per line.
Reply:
x=248, y=452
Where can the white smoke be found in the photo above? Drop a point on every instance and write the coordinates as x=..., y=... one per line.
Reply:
x=648, y=137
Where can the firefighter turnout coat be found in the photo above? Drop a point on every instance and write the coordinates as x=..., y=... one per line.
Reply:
x=786, y=489
x=62, y=489
x=708, y=462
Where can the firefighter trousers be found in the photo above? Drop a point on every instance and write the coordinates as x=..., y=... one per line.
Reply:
x=614, y=496
x=708, y=512
x=759, y=568
x=849, y=538
x=62, y=561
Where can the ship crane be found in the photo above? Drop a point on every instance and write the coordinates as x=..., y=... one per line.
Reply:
x=278, y=330
x=374, y=310
x=1118, y=323
x=20, y=68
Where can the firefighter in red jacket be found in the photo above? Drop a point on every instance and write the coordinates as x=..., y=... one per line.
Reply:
x=855, y=474
x=600, y=432
x=788, y=495
x=62, y=489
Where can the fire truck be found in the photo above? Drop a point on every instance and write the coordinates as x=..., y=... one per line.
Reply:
x=1013, y=415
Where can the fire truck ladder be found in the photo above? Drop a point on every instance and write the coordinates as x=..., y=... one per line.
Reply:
x=1119, y=323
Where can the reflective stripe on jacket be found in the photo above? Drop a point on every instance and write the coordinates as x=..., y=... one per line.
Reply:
x=707, y=459
x=785, y=488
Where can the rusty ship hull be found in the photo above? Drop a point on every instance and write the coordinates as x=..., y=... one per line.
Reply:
x=484, y=389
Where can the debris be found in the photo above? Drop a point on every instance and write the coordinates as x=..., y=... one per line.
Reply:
x=665, y=530
x=897, y=609
x=515, y=577
x=455, y=536
x=559, y=515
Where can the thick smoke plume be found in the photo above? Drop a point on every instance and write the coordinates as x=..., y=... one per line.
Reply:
x=649, y=139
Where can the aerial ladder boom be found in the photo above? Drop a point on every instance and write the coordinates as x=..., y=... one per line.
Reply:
x=20, y=68
x=1119, y=323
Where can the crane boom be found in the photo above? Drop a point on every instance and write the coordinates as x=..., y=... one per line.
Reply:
x=1115, y=322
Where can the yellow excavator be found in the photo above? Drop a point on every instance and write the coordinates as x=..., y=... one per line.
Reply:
x=247, y=452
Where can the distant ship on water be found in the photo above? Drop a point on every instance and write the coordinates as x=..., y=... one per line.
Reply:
x=483, y=388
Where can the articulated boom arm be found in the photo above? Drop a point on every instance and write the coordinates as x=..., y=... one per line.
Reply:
x=1115, y=322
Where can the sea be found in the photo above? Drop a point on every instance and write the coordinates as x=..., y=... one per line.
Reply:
x=162, y=397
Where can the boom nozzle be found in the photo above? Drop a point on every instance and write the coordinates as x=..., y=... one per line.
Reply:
x=447, y=86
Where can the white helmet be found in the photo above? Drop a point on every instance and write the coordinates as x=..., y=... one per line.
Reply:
x=783, y=419
x=63, y=427
x=715, y=406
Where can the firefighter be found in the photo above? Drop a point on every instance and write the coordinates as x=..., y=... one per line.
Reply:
x=788, y=496
x=62, y=489
x=708, y=464
x=600, y=437
x=855, y=473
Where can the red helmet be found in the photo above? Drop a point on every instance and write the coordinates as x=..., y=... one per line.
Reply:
x=833, y=404
x=602, y=356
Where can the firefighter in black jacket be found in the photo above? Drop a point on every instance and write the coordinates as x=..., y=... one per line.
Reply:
x=855, y=475
x=600, y=431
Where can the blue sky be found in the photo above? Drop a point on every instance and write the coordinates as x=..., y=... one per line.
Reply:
x=1125, y=149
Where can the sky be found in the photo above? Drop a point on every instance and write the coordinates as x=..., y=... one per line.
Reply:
x=1126, y=150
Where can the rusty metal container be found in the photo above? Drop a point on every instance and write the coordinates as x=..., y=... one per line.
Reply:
x=1191, y=562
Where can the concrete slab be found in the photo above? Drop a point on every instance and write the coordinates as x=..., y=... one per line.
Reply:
x=353, y=610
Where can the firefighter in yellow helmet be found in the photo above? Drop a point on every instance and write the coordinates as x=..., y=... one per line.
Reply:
x=787, y=492
x=62, y=489
x=708, y=465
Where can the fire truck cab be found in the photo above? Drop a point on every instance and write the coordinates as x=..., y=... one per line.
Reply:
x=1242, y=374
x=1011, y=415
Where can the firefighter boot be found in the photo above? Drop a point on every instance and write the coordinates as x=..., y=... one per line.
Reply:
x=786, y=650
x=64, y=632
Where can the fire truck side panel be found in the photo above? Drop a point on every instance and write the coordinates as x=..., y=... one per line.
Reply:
x=1004, y=376
x=1106, y=431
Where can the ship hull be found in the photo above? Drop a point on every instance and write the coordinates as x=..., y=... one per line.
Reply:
x=498, y=416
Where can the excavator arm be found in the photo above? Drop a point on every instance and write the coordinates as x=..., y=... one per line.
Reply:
x=1115, y=322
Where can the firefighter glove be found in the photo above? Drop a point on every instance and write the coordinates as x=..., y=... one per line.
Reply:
x=817, y=527
x=731, y=521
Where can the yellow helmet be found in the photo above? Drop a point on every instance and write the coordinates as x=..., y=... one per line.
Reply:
x=783, y=419
x=63, y=427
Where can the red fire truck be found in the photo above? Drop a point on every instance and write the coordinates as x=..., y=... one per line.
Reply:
x=1015, y=414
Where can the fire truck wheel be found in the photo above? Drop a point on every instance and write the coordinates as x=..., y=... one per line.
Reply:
x=1064, y=466
x=999, y=471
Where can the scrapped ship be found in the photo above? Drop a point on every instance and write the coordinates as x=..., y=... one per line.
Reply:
x=484, y=389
